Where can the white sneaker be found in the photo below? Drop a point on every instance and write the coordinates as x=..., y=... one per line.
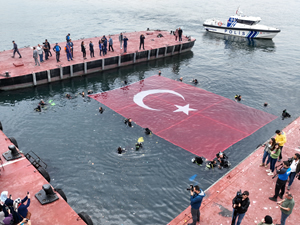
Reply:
x=268, y=170
x=270, y=174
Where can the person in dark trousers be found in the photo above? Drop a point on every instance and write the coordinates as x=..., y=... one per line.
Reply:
x=40, y=52
x=180, y=34
x=46, y=50
x=68, y=38
x=142, y=41
x=121, y=40
x=83, y=50
x=22, y=209
x=125, y=43
x=295, y=169
x=71, y=46
x=100, y=47
x=48, y=44
x=35, y=56
x=104, y=45
x=283, y=175
x=15, y=48
x=280, y=139
x=91, y=45
x=286, y=206
x=57, y=49
x=240, y=207
x=110, y=42
x=196, y=199
x=68, y=51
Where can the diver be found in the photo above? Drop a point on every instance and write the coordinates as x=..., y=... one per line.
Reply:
x=285, y=114
x=195, y=81
x=238, y=98
x=90, y=92
x=223, y=159
x=101, y=110
x=42, y=102
x=138, y=145
x=147, y=131
x=38, y=108
x=125, y=82
x=82, y=94
x=180, y=79
x=211, y=164
x=68, y=96
x=121, y=150
x=128, y=122
x=265, y=104
x=159, y=73
x=197, y=160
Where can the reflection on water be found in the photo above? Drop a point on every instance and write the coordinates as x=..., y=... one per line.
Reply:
x=241, y=43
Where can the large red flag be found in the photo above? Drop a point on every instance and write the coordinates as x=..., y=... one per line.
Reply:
x=194, y=119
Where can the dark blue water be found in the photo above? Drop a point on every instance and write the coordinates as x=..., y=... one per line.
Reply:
x=79, y=145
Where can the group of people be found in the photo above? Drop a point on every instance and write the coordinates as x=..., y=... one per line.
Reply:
x=14, y=211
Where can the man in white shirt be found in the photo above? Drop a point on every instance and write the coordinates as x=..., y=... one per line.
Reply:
x=295, y=169
x=39, y=49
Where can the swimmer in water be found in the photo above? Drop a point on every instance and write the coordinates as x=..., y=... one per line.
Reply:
x=82, y=94
x=147, y=131
x=128, y=122
x=38, y=108
x=42, y=102
x=238, y=98
x=125, y=82
x=90, y=92
x=101, y=110
x=68, y=96
x=195, y=81
x=138, y=146
x=159, y=73
x=121, y=150
x=180, y=79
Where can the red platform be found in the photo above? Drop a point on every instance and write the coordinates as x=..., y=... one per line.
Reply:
x=194, y=119
x=216, y=208
x=19, y=176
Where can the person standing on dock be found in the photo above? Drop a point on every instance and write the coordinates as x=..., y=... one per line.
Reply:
x=71, y=46
x=196, y=199
x=100, y=47
x=176, y=34
x=15, y=48
x=180, y=34
x=83, y=50
x=40, y=52
x=280, y=139
x=121, y=40
x=142, y=41
x=57, y=49
x=286, y=206
x=295, y=169
x=49, y=47
x=91, y=49
x=110, y=42
x=125, y=43
x=68, y=51
x=68, y=38
x=35, y=56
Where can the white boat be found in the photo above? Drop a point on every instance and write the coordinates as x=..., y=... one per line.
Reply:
x=242, y=26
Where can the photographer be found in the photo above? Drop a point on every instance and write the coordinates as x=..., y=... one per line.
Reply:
x=240, y=203
x=295, y=169
x=283, y=175
x=196, y=199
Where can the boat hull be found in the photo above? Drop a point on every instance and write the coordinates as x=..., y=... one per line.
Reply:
x=240, y=32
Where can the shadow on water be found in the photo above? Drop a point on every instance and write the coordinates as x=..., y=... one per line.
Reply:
x=100, y=81
x=241, y=43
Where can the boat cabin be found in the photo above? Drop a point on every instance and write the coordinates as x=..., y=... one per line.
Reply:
x=246, y=20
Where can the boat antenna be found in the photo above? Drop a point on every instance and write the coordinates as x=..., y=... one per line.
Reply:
x=238, y=9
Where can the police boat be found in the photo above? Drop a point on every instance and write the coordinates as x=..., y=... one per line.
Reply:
x=242, y=26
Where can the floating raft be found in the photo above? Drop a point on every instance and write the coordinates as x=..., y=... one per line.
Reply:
x=23, y=72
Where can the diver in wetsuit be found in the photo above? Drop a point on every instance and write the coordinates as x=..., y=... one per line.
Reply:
x=147, y=131
x=82, y=94
x=38, y=108
x=138, y=146
x=121, y=150
x=238, y=98
x=42, y=102
x=128, y=122
x=101, y=110
x=211, y=164
x=68, y=96
x=195, y=81
x=90, y=92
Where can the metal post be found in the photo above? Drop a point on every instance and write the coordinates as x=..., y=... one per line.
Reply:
x=149, y=52
x=61, y=73
x=157, y=51
x=173, y=50
x=34, y=79
x=180, y=48
x=166, y=50
x=85, y=67
x=134, y=57
x=49, y=76
x=103, y=62
x=71, y=70
x=119, y=60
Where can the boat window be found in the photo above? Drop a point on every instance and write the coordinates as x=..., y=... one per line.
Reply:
x=247, y=22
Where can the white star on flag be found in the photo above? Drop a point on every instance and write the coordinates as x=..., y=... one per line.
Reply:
x=184, y=109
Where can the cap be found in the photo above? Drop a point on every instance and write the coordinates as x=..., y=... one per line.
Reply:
x=268, y=219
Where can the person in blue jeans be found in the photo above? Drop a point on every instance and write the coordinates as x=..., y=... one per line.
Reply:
x=125, y=43
x=196, y=199
x=240, y=207
x=267, y=151
x=273, y=159
x=295, y=169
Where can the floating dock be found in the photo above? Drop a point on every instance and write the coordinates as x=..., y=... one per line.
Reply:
x=216, y=208
x=23, y=72
x=19, y=176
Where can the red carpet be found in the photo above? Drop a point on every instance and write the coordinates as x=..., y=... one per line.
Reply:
x=194, y=119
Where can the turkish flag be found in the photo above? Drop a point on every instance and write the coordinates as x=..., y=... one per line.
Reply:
x=194, y=119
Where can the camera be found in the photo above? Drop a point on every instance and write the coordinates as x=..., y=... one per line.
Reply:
x=238, y=198
x=290, y=160
x=191, y=188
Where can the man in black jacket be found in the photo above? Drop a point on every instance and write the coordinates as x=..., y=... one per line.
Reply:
x=240, y=207
x=180, y=34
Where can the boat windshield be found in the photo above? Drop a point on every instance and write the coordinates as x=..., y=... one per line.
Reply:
x=247, y=22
